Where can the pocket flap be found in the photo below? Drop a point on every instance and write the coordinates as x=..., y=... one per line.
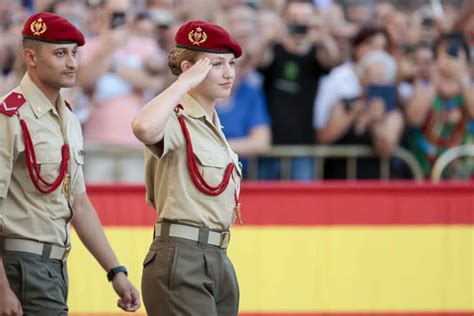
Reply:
x=210, y=159
x=149, y=257
x=48, y=156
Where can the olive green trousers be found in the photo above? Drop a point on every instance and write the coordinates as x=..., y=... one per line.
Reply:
x=40, y=284
x=184, y=277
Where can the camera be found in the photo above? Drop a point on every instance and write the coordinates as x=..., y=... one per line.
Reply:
x=297, y=29
x=453, y=48
x=118, y=19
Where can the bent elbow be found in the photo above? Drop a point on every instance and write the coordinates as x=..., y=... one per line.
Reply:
x=142, y=131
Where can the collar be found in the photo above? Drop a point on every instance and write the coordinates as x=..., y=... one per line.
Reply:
x=194, y=109
x=38, y=102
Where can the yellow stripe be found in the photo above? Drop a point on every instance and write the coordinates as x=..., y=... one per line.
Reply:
x=315, y=269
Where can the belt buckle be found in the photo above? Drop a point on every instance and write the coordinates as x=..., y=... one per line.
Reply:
x=67, y=250
x=225, y=238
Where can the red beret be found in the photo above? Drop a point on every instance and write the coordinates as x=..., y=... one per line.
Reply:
x=52, y=28
x=207, y=37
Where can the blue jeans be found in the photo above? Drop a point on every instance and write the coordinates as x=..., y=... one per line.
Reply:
x=302, y=168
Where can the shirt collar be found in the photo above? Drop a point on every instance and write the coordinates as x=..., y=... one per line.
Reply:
x=194, y=109
x=39, y=103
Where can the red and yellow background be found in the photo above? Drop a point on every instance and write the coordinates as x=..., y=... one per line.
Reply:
x=349, y=248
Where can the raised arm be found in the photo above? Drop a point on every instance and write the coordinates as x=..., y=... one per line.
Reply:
x=150, y=122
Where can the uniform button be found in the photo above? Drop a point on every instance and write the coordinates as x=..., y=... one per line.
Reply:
x=39, y=109
x=18, y=96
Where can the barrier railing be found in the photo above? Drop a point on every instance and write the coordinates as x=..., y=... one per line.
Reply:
x=449, y=156
x=319, y=152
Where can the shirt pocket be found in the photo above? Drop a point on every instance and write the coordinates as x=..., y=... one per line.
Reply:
x=49, y=166
x=211, y=165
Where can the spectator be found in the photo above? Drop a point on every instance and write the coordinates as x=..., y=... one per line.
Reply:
x=244, y=114
x=441, y=111
x=345, y=115
x=291, y=68
x=120, y=67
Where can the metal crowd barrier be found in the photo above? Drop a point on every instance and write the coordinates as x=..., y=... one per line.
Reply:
x=319, y=152
x=449, y=156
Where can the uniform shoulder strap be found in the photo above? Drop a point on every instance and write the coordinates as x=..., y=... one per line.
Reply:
x=12, y=103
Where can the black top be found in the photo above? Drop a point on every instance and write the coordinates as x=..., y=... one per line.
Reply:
x=291, y=83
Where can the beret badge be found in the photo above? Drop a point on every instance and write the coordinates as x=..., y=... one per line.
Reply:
x=197, y=36
x=38, y=27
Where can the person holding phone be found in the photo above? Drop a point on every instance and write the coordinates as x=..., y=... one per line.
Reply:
x=120, y=68
x=357, y=111
x=440, y=114
x=291, y=66
x=192, y=178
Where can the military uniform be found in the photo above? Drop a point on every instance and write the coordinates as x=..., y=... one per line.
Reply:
x=27, y=214
x=193, y=228
x=41, y=160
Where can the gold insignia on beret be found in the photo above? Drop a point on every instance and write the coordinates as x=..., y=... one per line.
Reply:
x=38, y=27
x=197, y=36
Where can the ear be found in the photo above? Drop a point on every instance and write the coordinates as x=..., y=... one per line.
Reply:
x=185, y=65
x=29, y=55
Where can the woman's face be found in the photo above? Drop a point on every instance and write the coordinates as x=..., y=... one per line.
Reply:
x=220, y=79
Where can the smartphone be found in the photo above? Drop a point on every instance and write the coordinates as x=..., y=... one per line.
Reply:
x=388, y=93
x=118, y=19
x=453, y=48
x=298, y=29
x=427, y=22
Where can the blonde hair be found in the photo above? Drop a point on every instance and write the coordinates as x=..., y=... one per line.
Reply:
x=177, y=55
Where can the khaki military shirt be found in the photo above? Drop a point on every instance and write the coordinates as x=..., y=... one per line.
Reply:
x=170, y=189
x=25, y=212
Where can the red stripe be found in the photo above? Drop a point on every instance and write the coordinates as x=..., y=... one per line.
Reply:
x=364, y=314
x=316, y=314
x=315, y=203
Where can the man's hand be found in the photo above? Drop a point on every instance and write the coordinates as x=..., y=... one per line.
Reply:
x=9, y=303
x=129, y=298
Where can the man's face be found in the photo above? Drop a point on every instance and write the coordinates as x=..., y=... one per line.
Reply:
x=299, y=13
x=56, y=65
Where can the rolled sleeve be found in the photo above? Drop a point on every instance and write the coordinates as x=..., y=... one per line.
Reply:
x=172, y=138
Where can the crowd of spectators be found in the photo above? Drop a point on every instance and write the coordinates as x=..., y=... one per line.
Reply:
x=355, y=72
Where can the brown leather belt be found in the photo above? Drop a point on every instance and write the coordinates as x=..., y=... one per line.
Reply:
x=219, y=239
x=35, y=247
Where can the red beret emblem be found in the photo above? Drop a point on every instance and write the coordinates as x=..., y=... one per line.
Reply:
x=38, y=27
x=197, y=36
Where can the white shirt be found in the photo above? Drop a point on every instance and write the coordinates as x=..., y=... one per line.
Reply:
x=341, y=83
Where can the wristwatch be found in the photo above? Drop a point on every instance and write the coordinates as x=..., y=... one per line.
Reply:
x=114, y=271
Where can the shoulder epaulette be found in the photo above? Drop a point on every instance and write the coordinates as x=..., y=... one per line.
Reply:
x=12, y=103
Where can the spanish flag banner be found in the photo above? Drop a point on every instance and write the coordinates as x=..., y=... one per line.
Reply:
x=333, y=249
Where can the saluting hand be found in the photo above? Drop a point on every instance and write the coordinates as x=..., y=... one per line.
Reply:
x=9, y=303
x=129, y=298
x=195, y=74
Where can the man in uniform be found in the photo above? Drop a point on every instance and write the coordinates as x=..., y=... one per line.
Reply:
x=42, y=186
